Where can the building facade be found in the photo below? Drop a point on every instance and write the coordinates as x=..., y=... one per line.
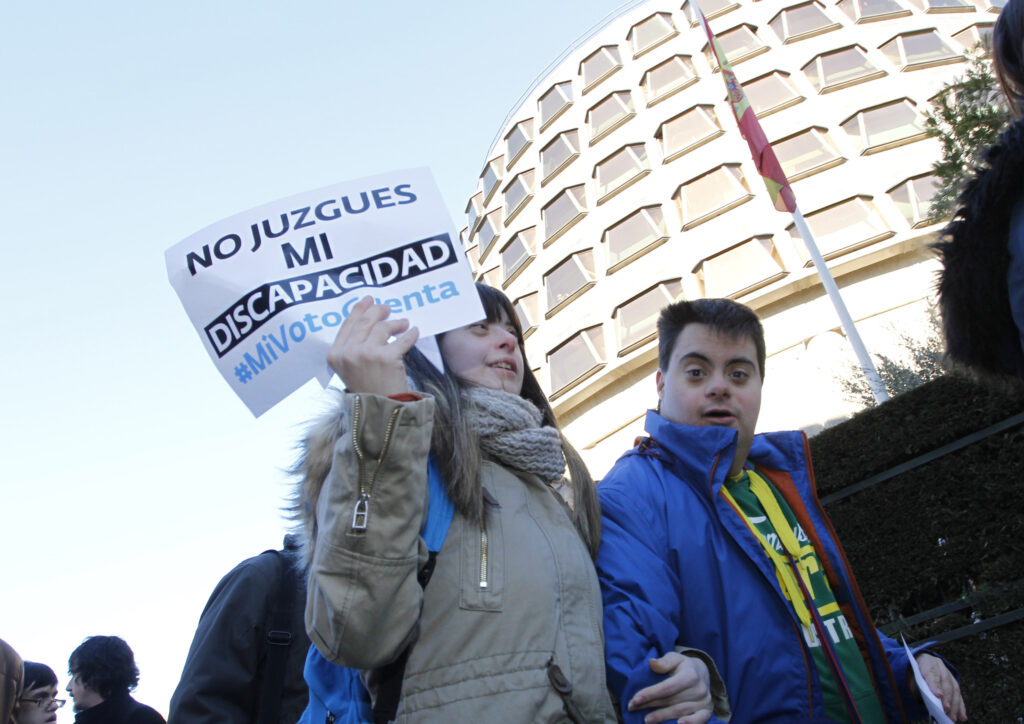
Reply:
x=621, y=183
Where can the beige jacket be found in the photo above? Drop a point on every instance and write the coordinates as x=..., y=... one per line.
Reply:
x=507, y=598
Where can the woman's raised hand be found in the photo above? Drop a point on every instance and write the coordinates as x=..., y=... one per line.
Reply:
x=361, y=354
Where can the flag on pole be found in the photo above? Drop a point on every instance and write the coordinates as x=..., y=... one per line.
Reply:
x=764, y=157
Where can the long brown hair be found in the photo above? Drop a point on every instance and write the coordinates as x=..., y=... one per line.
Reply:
x=455, y=444
x=1008, y=54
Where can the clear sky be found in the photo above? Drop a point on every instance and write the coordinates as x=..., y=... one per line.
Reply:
x=132, y=477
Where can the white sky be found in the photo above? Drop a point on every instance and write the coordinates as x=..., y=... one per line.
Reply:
x=133, y=478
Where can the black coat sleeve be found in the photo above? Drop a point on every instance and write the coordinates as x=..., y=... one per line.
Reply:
x=219, y=682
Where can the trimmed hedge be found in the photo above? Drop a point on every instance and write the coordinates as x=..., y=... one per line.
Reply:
x=944, y=532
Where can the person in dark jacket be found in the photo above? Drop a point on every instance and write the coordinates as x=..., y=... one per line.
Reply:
x=981, y=286
x=226, y=677
x=103, y=675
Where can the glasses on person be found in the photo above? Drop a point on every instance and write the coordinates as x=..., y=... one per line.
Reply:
x=45, y=702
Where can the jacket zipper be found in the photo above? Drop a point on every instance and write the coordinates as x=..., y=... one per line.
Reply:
x=483, y=554
x=361, y=514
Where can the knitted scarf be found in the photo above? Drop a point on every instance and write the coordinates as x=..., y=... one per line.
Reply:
x=510, y=432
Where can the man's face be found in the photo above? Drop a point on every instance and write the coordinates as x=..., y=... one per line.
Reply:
x=713, y=379
x=84, y=696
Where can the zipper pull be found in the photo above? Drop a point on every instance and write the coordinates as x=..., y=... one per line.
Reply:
x=361, y=513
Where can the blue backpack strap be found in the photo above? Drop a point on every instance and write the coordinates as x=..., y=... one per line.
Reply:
x=440, y=509
x=336, y=693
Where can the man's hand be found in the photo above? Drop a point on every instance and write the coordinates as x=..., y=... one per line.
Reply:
x=944, y=685
x=684, y=696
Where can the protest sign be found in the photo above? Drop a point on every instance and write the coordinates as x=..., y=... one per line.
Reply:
x=268, y=288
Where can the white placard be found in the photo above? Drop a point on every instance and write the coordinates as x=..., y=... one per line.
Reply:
x=267, y=289
x=931, y=703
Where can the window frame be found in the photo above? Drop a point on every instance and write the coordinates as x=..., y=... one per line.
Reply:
x=657, y=225
x=581, y=212
x=613, y=125
x=589, y=275
x=568, y=101
x=680, y=194
x=598, y=355
x=673, y=31
x=641, y=168
x=818, y=62
x=625, y=347
x=686, y=61
x=528, y=239
x=706, y=109
x=575, y=154
x=528, y=141
x=788, y=38
x=614, y=66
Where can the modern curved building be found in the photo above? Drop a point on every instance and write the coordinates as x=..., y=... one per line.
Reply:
x=621, y=183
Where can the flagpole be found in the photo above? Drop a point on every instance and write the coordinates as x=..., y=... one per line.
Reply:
x=783, y=199
x=866, y=364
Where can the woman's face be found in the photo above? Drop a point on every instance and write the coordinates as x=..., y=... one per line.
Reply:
x=485, y=353
x=31, y=713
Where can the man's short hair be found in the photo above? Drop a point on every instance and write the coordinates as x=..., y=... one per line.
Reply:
x=722, y=315
x=106, y=665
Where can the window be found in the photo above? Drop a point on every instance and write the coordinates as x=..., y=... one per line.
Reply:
x=599, y=65
x=771, y=92
x=518, y=193
x=943, y=6
x=517, y=140
x=492, y=277
x=576, y=359
x=609, y=114
x=562, y=212
x=569, y=280
x=473, y=254
x=841, y=69
x=739, y=44
x=866, y=11
x=554, y=102
x=528, y=310
x=473, y=210
x=711, y=8
x=994, y=6
x=664, y=79
x=622, y=168
x=923, y=49
x=711, y=194
x=802, y=21
x=636, y=320
x=650, y=33
x=489, y=231
x=972, y=35
x=806, y=153
x=633, y=236
x=491, y=177
x=842, y=228
x=518, y=252
x=884, y=127
x=741, y=269
x=563, y=150
x=687, y=131
x=913, y=198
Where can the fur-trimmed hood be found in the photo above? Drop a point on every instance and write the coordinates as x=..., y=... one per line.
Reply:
x=316, y=454
x=973, y=293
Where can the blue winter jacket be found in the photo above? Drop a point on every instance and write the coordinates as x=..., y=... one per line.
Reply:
x=679, y=567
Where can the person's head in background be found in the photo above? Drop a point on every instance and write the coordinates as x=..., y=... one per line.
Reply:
x=11, y=673
x=38, y=702
x=101, y=668
x=1008, y=54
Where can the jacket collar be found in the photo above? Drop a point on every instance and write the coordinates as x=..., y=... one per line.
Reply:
x=694, y=451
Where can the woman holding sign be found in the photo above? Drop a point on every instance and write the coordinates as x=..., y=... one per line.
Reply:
x=509, y=627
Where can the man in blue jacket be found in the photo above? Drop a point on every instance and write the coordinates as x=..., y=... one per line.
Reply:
x=714, y=539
